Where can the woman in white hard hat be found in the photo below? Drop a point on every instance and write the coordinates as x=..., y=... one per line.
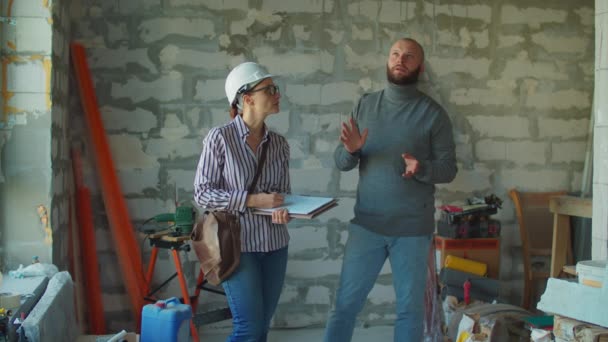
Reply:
x=225, y=171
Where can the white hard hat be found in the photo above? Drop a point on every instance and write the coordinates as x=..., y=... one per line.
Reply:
x=243, y=77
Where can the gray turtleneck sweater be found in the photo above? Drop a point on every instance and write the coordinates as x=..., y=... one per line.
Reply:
x=399, y=119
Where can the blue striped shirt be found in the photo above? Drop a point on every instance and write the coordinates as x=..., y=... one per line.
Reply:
x=226, y=170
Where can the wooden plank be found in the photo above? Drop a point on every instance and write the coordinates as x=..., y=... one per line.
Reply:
x=570, y=269
x=572, y=206
x=561, y=230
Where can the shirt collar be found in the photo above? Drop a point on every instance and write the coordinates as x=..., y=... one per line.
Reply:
x=243, y=130
x=400, y=93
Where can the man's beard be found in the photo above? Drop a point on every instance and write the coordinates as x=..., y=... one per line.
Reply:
x=410, y=78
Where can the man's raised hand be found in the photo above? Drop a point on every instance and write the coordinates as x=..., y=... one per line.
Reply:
x=352, y=139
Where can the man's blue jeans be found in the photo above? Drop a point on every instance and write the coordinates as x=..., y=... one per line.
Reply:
x=253, y=292
x=364, y=257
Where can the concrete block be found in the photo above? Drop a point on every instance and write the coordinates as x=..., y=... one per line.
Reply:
x=367, y=8
x=137, y=120
x=600, y=155
x=315, y=123
x=527, y=152
x=28, y=77
x=171, y=149
x=500, y=126
x=563, y=128
x=135, y=181
x=326, y=146
x=310, y=180
x=302, y=32
x=128, y=153
x=477, y=68
x=145, y=208
x=553, y=43
x=136, y=6
x=339, y=92
x=365, y=33
x=306, y=238
x=167, y=87
x=289, y=64
x=382, y=294
x=534, y=180
x=478, y=12
x=560, y=100
x=289, y=293
x=344, y=212
x=173, y=128
x=586, y=15
x=463, y=38
x=308, y=94
x=153, y=30
x=34, y=35
x=119, y=58
x=335, y=36
x=364, y=62
x=470, y=180
x=522, y=67
x=485, y=97
x=298, y=6
x=171, y=56
x=318, y=295
x=217, y=5
x=567, y=152
x=279, y=122
x=117, y=32
x=487, y=149
x=509, y=40
x=313, y=269
x=531, y=16
x=220, y=117
x=392, y=11
x=27, y=8
x=299, y=147
x=183, y=179
x=210, y=90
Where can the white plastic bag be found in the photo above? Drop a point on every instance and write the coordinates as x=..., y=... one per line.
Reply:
x=33, y=270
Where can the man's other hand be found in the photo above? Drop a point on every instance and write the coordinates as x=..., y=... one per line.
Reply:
x=411, y=165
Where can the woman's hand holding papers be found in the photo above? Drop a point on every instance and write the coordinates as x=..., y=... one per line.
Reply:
x=265, y=200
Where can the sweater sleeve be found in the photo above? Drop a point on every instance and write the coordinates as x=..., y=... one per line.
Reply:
x=346, y=161
x=441, y=167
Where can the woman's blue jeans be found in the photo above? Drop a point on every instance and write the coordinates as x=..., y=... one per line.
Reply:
x=253, y=292
x=364, y=257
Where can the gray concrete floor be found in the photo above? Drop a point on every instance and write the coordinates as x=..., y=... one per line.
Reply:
x=376, y=333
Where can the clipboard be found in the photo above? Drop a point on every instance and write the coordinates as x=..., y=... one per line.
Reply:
x=302, y=207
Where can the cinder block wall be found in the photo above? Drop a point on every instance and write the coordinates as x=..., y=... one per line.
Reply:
x=515, y=76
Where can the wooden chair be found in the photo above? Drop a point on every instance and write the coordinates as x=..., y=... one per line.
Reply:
x=536, y=232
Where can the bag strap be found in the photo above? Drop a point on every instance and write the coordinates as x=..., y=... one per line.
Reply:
x=260, y=165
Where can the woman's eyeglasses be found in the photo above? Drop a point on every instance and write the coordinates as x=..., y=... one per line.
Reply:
x=271, y=90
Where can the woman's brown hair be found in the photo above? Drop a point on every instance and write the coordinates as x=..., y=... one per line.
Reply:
x=234, y=111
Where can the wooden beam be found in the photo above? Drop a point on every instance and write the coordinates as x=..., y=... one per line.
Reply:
x=571, y=206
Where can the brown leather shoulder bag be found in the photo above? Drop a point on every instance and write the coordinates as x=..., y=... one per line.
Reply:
x=216, y=237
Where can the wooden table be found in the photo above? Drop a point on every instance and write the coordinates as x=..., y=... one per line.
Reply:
x=562, y=208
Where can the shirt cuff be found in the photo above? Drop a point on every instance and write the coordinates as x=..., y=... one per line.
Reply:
x=238, y=201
